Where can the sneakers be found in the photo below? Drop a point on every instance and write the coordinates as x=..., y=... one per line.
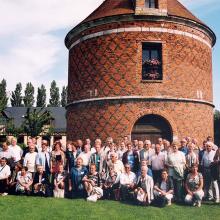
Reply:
x=217, y=201
x=199, y=204
x=169, y=202
x=4, y=194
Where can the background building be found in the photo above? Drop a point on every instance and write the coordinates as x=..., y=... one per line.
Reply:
x=16, y=116
x=141, y=68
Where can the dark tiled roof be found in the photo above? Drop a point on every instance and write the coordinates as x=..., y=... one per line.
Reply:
x=120, y=7
x=58, y=114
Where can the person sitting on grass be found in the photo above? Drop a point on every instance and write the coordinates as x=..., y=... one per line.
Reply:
x=13, y=178
x=59, y=182
x=77, y=173
x=41, y=183
x=24, y=182
x=193, y=186
x=127, y=183
x=163, y=190
x=93, y=184
x=111, y=185
x=5, y=172
x=144, y=191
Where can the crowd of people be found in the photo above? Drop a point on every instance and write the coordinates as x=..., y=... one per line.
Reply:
x=137, y=171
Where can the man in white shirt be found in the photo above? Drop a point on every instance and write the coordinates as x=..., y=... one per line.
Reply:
x=6, y=152
x=16, y=150
x=85, y=155
x=127, y=183
x=30, y=160
x=5, y=172
x=117, y=165
x=157, y=163
x=209, y=183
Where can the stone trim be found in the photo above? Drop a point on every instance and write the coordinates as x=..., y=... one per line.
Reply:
x=139, y=98
x=140, y=29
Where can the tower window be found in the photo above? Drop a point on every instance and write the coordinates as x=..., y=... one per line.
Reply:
x=151, y=4
x=152, y=61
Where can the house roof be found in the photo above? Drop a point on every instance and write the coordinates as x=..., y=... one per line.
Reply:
x=58, y=114
x=121, y=7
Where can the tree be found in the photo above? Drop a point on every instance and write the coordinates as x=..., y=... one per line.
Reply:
x=3, y=95
x=29, y=95
x=54, y=95
x=217, y=127
x=35, y=121
x=10, y=129
x=41, y=96
x=16, y=97
x=64, y=96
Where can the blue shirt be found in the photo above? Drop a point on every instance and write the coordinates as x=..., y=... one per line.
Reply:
x=76, y=176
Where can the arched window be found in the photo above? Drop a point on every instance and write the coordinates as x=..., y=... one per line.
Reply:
x=151, y=4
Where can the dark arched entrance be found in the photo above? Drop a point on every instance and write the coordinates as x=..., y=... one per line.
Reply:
x=151, y=127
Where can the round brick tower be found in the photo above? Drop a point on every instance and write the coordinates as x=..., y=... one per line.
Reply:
x=140, y=68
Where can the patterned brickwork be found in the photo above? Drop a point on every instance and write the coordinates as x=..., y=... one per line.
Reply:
x=116, y=119
x=112, y=65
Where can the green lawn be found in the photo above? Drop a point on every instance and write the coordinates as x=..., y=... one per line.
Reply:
x=16, y=208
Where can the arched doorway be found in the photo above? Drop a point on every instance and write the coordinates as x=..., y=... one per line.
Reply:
x=151, y=127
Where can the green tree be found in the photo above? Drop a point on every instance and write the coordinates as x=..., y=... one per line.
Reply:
x=54, y=95
x=29, y=95
x=16, y=96
x=3, y=95
x=217, y=127
x=64, y=96
x=35, y=121
x=12, y=130
x=41, y=96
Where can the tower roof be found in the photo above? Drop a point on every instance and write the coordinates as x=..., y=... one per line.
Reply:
x=121, y=7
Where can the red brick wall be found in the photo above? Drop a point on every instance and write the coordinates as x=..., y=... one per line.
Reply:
x=111, y=65
x=117, y=119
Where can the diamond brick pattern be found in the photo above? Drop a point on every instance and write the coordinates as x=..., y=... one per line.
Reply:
x=111, y=65
x=116, y=119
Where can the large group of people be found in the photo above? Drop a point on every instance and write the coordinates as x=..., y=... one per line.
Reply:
x=137, y=171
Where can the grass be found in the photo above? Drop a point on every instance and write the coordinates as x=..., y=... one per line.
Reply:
x=16, y=208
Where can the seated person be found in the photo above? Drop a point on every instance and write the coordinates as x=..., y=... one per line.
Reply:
x=163, y=190
x=59, y=182
x=93, y=184
x=75, y=181
x=111, y=184
x=144, y=191
x=24, y=182
x=41, y=183
x=127, y=183
x=193, y=186
x=5, y=172
x=13, y=178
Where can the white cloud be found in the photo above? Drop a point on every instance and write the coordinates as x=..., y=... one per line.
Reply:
x=31, y=47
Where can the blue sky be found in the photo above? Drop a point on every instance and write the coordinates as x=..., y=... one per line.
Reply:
x=32, y=38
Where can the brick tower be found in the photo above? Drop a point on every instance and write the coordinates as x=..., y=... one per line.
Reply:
x=141, y=68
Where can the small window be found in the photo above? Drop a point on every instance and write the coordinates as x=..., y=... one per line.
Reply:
x=152, y=61
x=151, y=4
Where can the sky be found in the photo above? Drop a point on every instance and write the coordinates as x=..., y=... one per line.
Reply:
x=32, y=36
